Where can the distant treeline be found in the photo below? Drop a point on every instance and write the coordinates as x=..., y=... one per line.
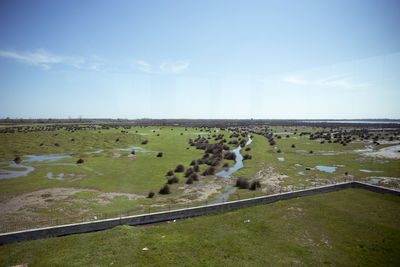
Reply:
x=205, y=123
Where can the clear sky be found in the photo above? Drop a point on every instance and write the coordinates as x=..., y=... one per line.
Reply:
x=200, y=59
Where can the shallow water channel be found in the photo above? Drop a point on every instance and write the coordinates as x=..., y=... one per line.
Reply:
x=229, y=189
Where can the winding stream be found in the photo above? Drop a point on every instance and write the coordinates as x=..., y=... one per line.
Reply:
x=229, y=189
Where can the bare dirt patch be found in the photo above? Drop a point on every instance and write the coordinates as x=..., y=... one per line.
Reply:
x=115, y=155
x=43, y=198
x=270, y=179
x=201, y=191
x=390, y=152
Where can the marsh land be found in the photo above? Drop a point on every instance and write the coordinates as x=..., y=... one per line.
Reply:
x=68, y=172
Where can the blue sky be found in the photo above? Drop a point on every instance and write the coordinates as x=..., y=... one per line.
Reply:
x=200, y=59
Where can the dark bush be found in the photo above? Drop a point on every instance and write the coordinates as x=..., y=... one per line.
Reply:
x=209, y=171
x=193, y=163
x=145, y=142
x=72, y=140
x=242, y=183
x=200, y=161
x=170, y=173
x=150, y=195
x=133, y=152
x=180, y=168
x=165, y=190
x=226, y=165
x=247, y=156
x=160, y=154
x=247, y=149
x=116, y=140
x=311, y=151
x=57, y=144
x=17, y=160
x=194, y=177
x=278, y=151
x=173, y=180
x=188, y=172
x=255, y=185
x=196, y=168
x=293, y=146
x=189, y=181
x=230, y=156
x=41, y=144
x=79, y=161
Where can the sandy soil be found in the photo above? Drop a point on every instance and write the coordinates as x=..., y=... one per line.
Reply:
x=392, y=182
x=269, y=179
x=199, y=192
x=46, y=197
x=391, y=152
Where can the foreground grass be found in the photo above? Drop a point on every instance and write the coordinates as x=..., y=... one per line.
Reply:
x=347, y=228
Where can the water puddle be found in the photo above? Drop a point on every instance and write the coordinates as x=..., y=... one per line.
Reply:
x=69, y=177
x=327, y=169
x=136, y=148
x=369, y=171
x=95, y=152
x=298, y=165
x=300, y=173
x=25, y=170
x=281, y=159
x=44, y=158
x=8, y=174
x=224, y=196
x=374, y=181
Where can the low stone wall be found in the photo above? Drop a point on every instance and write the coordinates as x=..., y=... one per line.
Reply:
x=85, y=227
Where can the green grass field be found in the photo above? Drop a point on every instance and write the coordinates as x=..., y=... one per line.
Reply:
x=346, y=228
x=111, y=170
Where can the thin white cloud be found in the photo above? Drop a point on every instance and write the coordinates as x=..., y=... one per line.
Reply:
x=295, y=80
x=338, y=81
x=42, y=58
x=165, y=67
x=343, y=81
x=144, y=66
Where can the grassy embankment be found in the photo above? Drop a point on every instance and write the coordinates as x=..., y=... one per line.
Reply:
x=346, y=228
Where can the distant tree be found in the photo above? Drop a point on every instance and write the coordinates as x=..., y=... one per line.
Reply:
x=150, y=195
x=173, y=180
x=17, y=160
x=255, y=185
x=209, y=171
x=188, y=172
x=80, y=161
x=165, y=190
x=170, y=173
x=179, y=168
x=194, y=177
x=160, y=154
x=196, y=168
x=242, y=183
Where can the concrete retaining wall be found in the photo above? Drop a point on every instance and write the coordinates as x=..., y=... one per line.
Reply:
x=178, y=214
